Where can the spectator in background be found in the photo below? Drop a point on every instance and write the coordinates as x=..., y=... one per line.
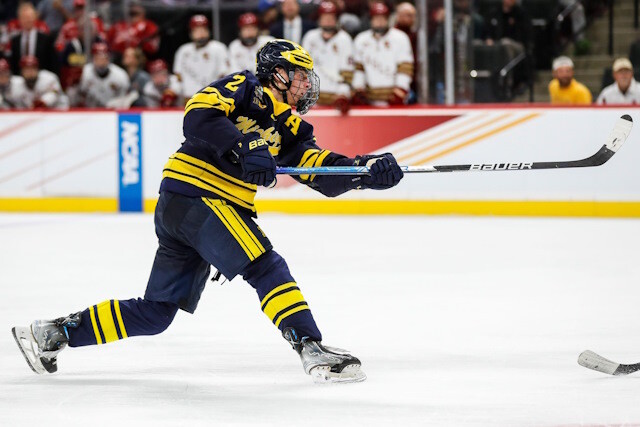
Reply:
x=72, y=61
x=30, y=41
x=510, y=25
x=243, y=50
x=14, y=26
x=103, y=84
x=332, y=50
x=79, y=19
x=268, y=15
x=406, y=21
x=55, y=13
x=383, y=62
x=201, y=61
x=625, y=90
x=564, y=89
x=138, y=32
x=133, y=61
x=8, y=86
x=291, y=26
x=40, y=89
x=164, y=89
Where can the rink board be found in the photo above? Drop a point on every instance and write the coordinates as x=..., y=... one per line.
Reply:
x=106, y=161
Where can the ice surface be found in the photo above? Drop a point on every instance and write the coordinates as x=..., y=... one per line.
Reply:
x=458, y=322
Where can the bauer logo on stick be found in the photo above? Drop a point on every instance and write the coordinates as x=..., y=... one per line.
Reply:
x=500, y=166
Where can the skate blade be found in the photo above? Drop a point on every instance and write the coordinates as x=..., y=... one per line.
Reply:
x=24, y=339
x=350, y=374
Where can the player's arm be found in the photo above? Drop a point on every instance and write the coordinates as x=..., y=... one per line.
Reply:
x=206, y=123
x=299, y=149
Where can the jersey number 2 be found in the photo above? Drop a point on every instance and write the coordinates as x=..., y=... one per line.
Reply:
x=237, y=81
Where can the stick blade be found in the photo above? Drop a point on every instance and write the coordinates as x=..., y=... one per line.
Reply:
x=620, y=132
x=591, y=360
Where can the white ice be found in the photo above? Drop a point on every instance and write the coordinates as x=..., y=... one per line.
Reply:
x=458, y=322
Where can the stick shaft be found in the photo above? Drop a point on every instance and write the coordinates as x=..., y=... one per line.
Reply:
x=613, y=142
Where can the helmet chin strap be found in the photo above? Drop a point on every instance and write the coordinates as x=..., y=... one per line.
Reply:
x=287, y=85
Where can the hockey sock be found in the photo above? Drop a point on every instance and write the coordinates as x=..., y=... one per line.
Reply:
x=114, y=320
x=280, y=297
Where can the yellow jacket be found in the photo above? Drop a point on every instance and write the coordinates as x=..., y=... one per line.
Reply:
x=576, y=93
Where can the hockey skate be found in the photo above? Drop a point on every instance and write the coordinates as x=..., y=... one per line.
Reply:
x=41, y=342
x=325, y=364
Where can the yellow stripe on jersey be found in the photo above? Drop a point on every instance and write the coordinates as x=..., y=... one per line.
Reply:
x=278, y=107
x=312, y=158
x=183, y=167
x=123, y=331
x=210, y=97
x=95, y=325
x=107, y=321
x=237, y=227
x=282, y=302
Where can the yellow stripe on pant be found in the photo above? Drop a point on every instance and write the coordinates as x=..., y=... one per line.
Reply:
x=282, y=302
x=237, y=227
x=103, y=319
x=107, y=321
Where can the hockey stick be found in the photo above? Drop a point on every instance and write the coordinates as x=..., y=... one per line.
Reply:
x=616, y=138
x=594, y=361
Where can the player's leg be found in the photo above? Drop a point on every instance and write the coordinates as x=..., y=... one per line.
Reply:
x=177, y=279
x=247, y=251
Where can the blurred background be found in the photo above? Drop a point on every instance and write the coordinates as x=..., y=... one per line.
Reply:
x=92, y=94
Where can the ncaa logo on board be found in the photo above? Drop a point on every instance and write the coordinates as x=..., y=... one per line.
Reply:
x=130, y=162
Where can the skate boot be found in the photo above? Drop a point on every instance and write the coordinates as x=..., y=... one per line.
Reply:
x=43, y=340
x=325, y=364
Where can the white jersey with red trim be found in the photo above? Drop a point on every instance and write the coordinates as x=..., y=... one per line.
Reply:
x=98, y=91
x=46, y=93
x=332, y=61
x=197, y=67
x=167, y=97
x=382, y=64
x=9, y=94
x=243, y=57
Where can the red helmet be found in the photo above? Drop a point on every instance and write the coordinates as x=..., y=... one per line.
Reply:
x=79, y=4
x=327, y=7
x=99, y=48
x=379, y=9
x=247, y=19
x=157, y=66
x=70, y=30
x=29, y=61
x=4, y=65
x=198, y=21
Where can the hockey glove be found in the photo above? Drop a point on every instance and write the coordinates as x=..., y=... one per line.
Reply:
x=258, y=165
x=384, y=171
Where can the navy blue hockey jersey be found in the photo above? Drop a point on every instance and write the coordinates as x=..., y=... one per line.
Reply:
x=217, y=117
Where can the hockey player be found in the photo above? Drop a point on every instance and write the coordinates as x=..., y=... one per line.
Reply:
x=202, y=60
x=8, y=86
x=103, y=84
x=163, y=90
x=243, y=50
x=383, y=62
x=236, y=131
x=39, y=89
x=331, y=49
